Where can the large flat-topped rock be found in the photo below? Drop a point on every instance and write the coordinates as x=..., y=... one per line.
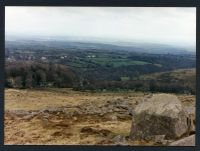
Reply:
x=162, y=114
x=160, y=104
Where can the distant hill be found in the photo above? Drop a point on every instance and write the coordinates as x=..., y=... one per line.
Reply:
x=180, y=74
x=183, y=80
x=151, y=48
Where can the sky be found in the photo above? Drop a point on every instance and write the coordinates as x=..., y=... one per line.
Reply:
x=169, y=25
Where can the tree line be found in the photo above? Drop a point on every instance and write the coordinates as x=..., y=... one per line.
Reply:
x=31, y=74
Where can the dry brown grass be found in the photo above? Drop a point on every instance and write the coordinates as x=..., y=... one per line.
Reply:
x=40, y=99
x=66, y=131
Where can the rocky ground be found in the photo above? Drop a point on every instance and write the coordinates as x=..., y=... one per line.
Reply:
x=63, y=116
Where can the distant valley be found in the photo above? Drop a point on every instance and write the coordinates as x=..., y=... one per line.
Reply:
x=92, y=66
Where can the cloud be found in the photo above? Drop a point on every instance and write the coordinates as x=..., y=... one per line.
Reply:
x=151, y=24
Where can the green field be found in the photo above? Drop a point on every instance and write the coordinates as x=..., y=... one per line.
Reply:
x=106, y=61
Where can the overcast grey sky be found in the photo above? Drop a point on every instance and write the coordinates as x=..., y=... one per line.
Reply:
x=150, y=24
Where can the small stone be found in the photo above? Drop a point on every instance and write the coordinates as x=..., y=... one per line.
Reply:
x=20, y=134
x=114, y=118
x=75, y=118
x=119, y=140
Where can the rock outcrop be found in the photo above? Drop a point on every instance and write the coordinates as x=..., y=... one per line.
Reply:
x=162, y=114
x=187, y=141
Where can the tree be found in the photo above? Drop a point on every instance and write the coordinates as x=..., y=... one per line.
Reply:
x=29, y=80
x=18, y=82
x=41, y=78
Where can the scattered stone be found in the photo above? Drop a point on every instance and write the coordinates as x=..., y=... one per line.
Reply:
x=105, y=142
x=162, y=114
x=19, y=113
x=159, y=138
x=187, y=141
x=104, y=132
x=91, y=131
x=61, y=124
x=192, y=121
x=119, y=140
x=190, y=110
x=20, y=134
x=75, y=118
x=165, y=142
x=114, y=118
x=87, y=129
x=45, y=122
x=58, y=133
x=28, y=117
